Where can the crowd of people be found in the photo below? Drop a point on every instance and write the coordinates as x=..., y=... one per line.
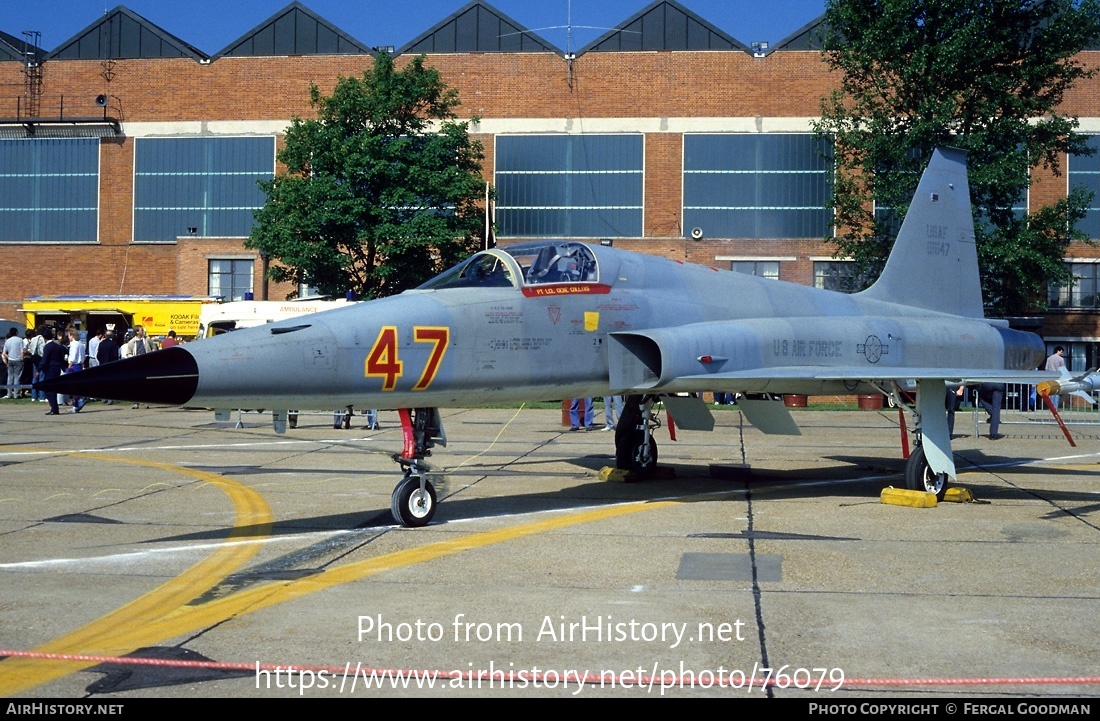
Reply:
x=49, y=351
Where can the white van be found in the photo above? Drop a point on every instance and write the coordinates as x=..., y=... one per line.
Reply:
x=218, y=318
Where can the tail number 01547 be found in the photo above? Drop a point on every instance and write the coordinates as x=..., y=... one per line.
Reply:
x=384, y=361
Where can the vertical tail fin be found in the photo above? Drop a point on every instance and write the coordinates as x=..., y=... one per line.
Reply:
x=934, y=262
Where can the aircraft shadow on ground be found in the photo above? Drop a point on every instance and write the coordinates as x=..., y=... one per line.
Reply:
x=689, y=482
x=856, y=476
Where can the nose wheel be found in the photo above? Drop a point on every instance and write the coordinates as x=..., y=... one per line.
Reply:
x=413, y=501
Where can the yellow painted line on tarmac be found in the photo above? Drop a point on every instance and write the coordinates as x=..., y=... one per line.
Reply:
x=132, y=626
x=256, y=598
x=117, y=639
x=163, y=613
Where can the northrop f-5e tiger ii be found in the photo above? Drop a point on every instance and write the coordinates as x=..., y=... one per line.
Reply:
x=565, y=319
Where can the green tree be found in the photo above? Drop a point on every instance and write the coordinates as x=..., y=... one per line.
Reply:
x=984, y=75
x=381, y=189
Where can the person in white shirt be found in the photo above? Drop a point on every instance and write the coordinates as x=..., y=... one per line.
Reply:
x=93, y=348
x=13, y=358
x=77, y=356
x=34, y=357
x=140, y=344
x=1056, y=363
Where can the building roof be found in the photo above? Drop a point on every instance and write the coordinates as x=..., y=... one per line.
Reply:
x=478, y=27
x=122, y=33
x=664, y=25
x=294, y=30
x=810, y=36
x=13, y=48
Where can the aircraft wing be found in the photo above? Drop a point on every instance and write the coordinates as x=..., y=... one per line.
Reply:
x=735, y=379
x=773, y=418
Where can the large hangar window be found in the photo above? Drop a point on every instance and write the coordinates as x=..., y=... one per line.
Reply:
x=204, y=186
x=569, y=186
x=1084, y=171
x=49, y=190
x=756, y=186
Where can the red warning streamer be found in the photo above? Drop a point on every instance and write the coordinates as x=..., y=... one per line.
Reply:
x=685, y=681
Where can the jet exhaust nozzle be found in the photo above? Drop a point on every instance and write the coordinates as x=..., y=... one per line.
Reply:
x=168, y=376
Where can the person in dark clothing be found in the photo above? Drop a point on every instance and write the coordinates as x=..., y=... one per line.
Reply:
x=53, y=360
x=108, y=352
x=990, y=397
x=108, y=349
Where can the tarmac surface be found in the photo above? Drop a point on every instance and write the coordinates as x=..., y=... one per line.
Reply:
x=158, y=553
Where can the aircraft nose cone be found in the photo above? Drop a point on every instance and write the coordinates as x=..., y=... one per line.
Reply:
x=168, y=376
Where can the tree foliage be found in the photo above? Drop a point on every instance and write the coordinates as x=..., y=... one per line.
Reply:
x=984, y=75
x=381, y=189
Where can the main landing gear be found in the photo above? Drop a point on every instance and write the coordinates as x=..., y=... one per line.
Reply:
x=933, y=440
x=635, y=447
x=919, y=476
x=413, y=501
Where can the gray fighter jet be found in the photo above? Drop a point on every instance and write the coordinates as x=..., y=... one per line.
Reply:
x=564, y=319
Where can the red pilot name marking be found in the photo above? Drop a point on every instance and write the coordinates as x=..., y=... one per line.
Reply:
x=536, y=291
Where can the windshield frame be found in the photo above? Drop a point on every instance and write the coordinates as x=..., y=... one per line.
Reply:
x=467, y=274
x=532, y=264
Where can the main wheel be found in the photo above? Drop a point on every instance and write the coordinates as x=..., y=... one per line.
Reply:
x=630, y=455
x=411, y=506
x=919, y=475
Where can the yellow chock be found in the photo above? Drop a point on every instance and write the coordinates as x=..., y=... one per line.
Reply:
x=608, y=473
x=958, y=494
x=905, y=497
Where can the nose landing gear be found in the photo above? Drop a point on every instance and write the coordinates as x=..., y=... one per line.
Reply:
x=413, y=501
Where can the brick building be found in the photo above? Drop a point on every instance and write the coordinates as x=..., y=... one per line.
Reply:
x=129, y=159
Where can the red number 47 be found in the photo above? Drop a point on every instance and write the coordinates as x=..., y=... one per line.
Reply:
x=384, y=362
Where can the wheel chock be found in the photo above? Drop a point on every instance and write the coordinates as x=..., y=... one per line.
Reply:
x=906, y=497
x=609, y=473
x=958, y=494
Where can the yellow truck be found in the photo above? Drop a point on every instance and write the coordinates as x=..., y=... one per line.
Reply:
x=157, y=313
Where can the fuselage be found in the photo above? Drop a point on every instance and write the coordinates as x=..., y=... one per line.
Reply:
x=473, y=337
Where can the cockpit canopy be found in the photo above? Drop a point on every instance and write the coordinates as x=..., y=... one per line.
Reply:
x=535, y=263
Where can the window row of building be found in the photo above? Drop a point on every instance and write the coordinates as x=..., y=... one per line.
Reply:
x=582, y=186
x=208, y=186
x=586, y=186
